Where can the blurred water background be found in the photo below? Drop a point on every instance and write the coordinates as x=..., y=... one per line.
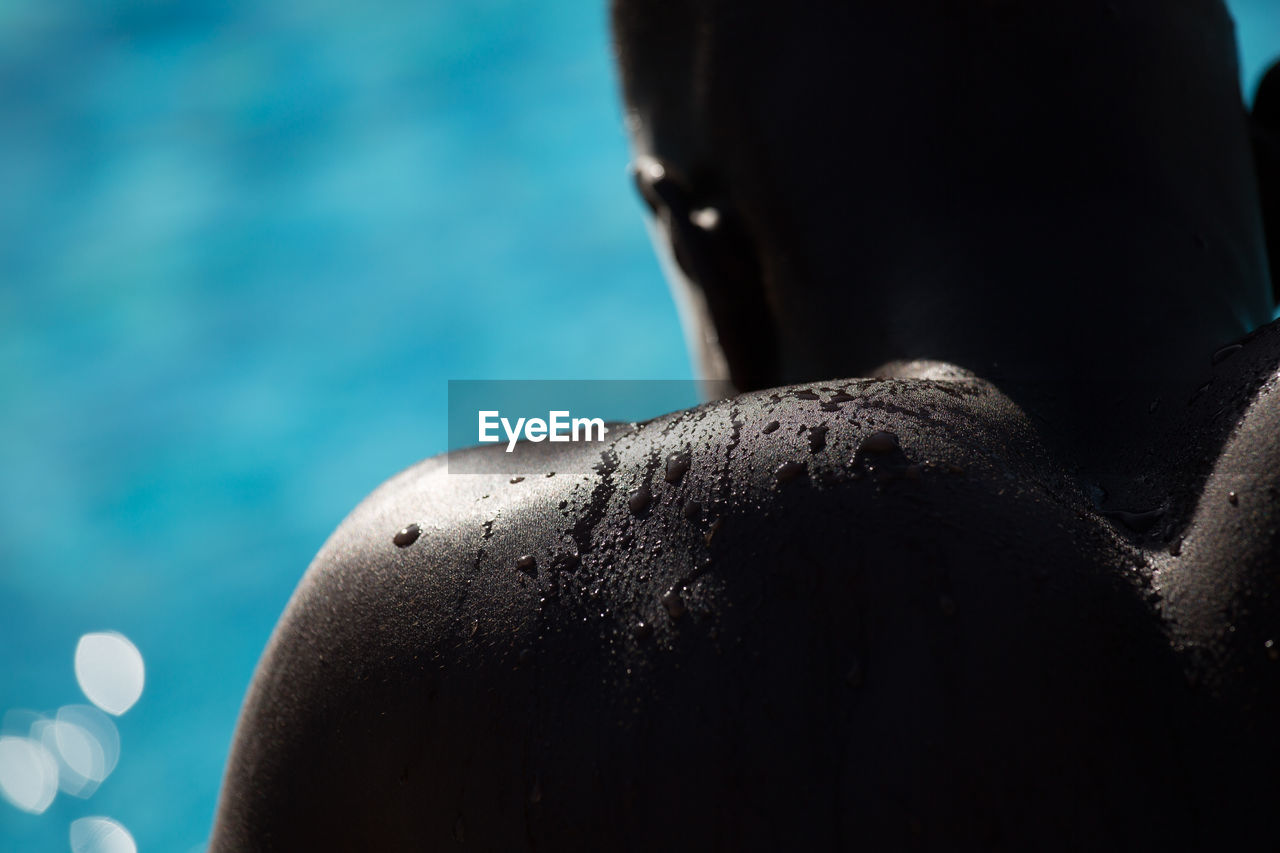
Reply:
x=243, y=245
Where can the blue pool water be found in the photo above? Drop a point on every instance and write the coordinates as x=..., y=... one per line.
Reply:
x=242, y=248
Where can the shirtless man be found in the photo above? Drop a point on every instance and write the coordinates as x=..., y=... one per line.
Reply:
x=1017, y=589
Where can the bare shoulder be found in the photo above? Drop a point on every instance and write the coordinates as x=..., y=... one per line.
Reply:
x=1219, y=582
x=847, y=612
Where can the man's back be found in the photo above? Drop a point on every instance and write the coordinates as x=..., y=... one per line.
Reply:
x=878, y=612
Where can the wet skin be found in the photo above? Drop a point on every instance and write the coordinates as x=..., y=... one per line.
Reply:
x=1023, y=596
x=873, y=612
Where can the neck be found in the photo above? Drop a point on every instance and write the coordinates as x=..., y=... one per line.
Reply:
x=1086, y=318
x=1121, y=293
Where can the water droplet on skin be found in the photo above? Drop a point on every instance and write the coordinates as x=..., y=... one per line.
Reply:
x=515, y=480
x=638, y=500
x=789, y=471
x=674, y=604
x=677, y=465
x=817, y=439
x=567, y=562
x=1233, y=499
x=1273, y=650
x=643, y=631
x=1226, y=353
x=407, y=536
x=771, y=426
x=880, y=441
x=712, y=530
x=527, y=564
x=693, y=510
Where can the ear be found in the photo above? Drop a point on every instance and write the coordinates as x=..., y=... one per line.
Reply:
x=1266, y=154
x=716, y=252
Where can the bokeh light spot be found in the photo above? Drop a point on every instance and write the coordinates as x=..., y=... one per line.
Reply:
x=28, y=774
x=98, y=726
x=84, y=742
x=110, y=671
x=100, y=835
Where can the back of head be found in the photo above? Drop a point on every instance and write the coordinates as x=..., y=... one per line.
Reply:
x=889, y=156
